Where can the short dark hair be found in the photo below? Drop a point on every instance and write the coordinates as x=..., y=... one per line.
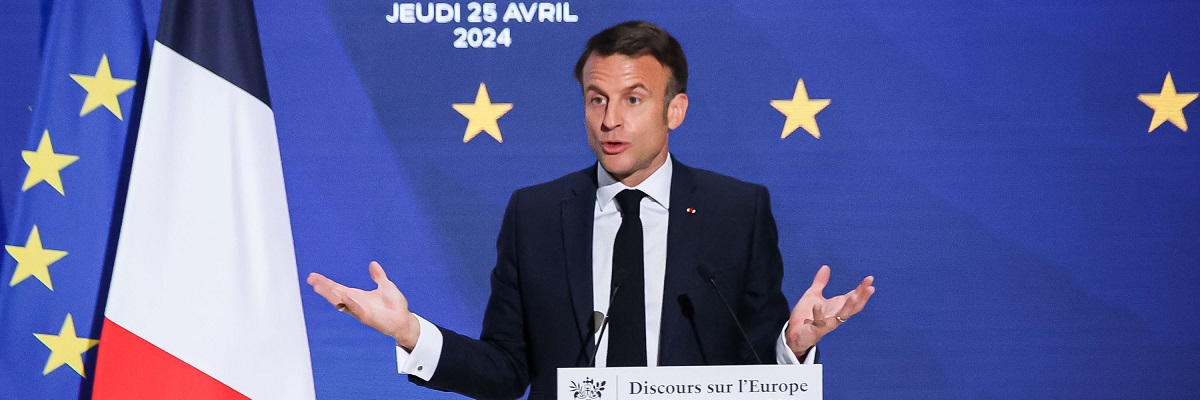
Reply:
x=637, y=38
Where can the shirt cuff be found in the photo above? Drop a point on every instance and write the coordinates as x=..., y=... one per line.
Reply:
x=784, y=354
x=422, y=362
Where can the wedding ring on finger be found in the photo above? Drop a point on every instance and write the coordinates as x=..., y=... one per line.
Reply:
x=342, y=307
x=839, y=319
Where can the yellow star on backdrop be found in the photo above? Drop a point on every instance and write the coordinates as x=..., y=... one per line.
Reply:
x=1168, y=105
x=102, y=89
x=800, y=111
x=482, y=115
x=65, y=347
x=45, y=165
x=33, y=260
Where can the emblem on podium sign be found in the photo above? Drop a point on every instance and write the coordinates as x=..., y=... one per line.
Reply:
x=588, y=389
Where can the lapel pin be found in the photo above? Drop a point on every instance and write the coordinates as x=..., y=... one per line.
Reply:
x=691, y=210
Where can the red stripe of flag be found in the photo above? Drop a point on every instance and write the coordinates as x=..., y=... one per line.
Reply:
x=127, y=360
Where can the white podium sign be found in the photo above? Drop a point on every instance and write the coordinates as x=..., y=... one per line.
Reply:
x=775, y=382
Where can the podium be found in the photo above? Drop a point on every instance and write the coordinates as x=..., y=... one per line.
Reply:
x=776, y=382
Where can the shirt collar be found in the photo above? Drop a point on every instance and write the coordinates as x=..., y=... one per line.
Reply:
x=657, y=187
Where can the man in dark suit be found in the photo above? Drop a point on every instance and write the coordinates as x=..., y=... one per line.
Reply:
x=640, y=235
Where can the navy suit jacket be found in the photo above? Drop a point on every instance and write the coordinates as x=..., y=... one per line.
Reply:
x=537, y=318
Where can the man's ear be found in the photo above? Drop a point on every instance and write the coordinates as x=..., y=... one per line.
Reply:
x=677, y=110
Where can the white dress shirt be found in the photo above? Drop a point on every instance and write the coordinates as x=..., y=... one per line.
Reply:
x=606, y=219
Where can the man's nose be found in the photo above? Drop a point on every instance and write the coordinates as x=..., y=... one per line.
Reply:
x=612, y=118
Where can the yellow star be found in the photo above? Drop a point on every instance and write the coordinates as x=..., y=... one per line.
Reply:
x=65, y=347
x=482, y=115
x=33, y=260
x=1167, y=105
x=800, y=111
x=45, y=165
x=102, y=89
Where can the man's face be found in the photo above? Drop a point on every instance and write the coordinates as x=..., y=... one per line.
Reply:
x=627, y=115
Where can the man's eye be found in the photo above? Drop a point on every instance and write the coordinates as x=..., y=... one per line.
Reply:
x=634, y=100
x=596, y=100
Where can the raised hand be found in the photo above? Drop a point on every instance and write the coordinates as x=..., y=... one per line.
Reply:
x=815, y=316
x=384, y=308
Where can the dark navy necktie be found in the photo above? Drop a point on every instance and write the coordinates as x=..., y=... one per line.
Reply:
x=627, y=313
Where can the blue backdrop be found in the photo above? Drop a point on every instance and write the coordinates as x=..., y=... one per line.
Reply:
x=987, y=161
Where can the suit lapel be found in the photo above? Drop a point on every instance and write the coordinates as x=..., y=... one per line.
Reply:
x=683, y=233
x=577, y=214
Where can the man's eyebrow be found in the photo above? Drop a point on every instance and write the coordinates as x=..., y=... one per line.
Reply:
x=636, y=86
x=593, y=88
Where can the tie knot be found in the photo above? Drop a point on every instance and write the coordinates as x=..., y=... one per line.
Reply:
x=630, y=201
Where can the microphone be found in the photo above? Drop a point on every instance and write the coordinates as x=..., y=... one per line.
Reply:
x=710, y=276
x=596, y=322
x=618, y=279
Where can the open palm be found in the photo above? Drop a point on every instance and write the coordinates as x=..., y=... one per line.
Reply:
x=385, y=308
x=815, y=316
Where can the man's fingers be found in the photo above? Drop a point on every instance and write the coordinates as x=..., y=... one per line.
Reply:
x=818, y=319
x=381, y=279
x=315, y=279
x=349, y=306
x=338, y=295
x=862, y=298
x=828, y=324
x=820, y=280
x=821, y=323
x=856, y=299
x=377, y=273
x=868, y=281
x=840, y=309
x=325, y=287
x=321, y=284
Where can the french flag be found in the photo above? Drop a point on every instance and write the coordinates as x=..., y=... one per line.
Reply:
x=204, y=300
